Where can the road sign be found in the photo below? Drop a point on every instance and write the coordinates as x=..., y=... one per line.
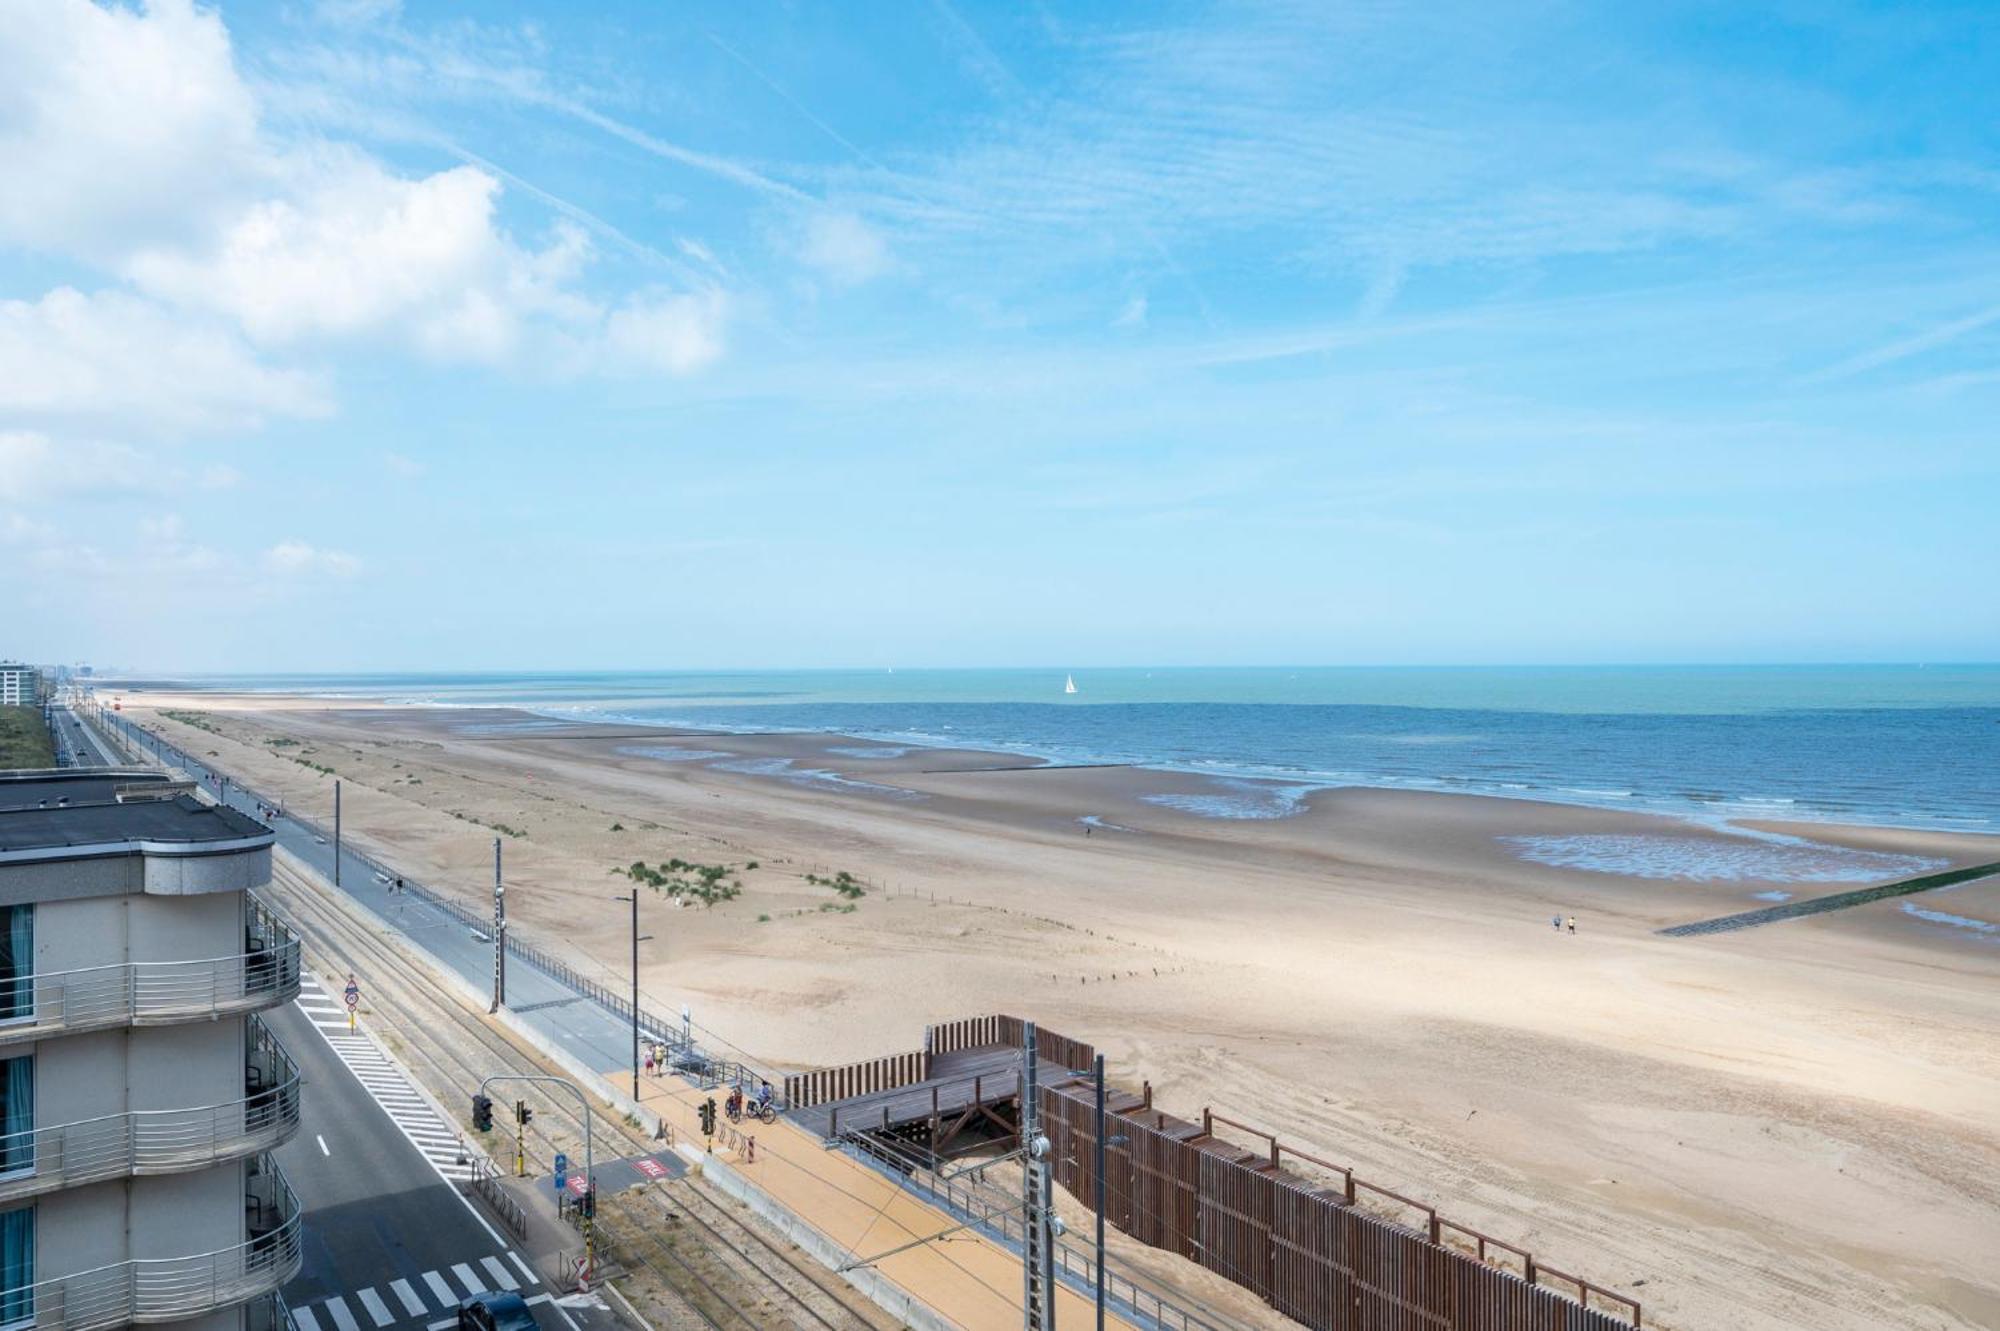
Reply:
x=352, y=995
x=562, y=1171
x=650, y=1167
x=576, y=1186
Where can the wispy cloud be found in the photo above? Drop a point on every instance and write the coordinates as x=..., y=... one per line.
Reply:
x=1904, y=348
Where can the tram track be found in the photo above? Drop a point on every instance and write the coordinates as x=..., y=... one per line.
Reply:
x=729, y=1274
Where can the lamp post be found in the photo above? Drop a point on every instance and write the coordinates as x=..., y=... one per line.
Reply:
x=637, y=938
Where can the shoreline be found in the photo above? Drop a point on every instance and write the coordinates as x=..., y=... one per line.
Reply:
x=1728, y=813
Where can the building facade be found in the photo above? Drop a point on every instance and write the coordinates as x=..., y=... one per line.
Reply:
x=140, y=1093
x=20, y=685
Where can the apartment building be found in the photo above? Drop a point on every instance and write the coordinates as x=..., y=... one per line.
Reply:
x=20, y=685
x=140, y=1093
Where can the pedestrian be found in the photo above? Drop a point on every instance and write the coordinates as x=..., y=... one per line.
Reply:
x=649, y=1060
x=1572, y=924
x=1556, y=923
x=399, y=883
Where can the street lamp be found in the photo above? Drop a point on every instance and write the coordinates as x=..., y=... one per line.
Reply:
x=1096, y=1071
x=637, y=938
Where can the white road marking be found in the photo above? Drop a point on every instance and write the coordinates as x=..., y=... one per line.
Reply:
x=409, y=1297
x=376, y=1308
x=322, y=1144
x=445, y=1298
x=303, y=1319
x=468, y=1278
x=527, y=1270
x=336, y=1308
x=500, y=1273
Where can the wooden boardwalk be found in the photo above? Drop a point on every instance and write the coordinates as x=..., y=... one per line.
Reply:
x=988, y=1076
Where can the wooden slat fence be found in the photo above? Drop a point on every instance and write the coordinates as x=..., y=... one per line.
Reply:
x=804, y=1089
x=1302, y=1248
x=967, y=1033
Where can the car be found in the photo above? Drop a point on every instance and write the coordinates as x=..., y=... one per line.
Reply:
x=495, y=1312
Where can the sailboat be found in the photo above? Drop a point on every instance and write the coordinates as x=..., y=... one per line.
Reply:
x=1069, y=683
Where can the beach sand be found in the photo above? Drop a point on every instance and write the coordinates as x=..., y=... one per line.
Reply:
x=1791, y=1126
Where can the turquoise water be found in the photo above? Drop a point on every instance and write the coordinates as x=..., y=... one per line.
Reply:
x=1910, y=745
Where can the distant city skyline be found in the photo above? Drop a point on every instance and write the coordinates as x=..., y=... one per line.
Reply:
x=361, y=335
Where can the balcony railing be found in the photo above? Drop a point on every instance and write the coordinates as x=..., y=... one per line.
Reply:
x=160, y=1141
x=168, y=1289
x=156, y=993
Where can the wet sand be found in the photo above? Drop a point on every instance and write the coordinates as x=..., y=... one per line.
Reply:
x=1792, y=1126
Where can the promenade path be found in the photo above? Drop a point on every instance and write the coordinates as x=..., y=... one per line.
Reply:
x=969, y=1278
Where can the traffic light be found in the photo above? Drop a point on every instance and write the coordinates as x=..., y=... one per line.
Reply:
x=482, y=1113
x=590, y=1202
x=708, y=1116
x=522, y=1114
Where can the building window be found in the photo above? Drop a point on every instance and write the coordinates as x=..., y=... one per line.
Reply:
x=17, y=962
x=17, y=1115
x=17, y=1267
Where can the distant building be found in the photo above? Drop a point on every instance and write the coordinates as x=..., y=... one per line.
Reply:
x=20, y=685
x=140, y=1092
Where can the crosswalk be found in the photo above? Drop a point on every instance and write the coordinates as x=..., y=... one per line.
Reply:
x=386, y=1083
x=428, y=1298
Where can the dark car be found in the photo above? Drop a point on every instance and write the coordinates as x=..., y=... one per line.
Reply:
x=495, y=1312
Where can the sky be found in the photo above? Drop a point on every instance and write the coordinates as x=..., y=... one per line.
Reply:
x=360, y=335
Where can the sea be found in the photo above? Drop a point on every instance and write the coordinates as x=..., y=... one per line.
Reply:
x=1899, y=745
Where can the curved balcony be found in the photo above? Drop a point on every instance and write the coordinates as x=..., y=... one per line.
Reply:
x=169, y=1289
x=160, y=1141
x=155, y=993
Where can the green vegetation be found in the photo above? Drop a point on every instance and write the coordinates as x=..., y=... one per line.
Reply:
x=321, y=768
x=843, y=882
x=24, y=738
x=280, y=743
x=763, y=919
x=195, y=719
x=617, y=827
x=706, y=883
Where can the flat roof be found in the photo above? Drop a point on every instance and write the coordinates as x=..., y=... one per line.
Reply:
x=33, y=788
x=180, y=825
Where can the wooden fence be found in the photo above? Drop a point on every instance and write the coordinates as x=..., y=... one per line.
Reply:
x=1302, y=1248
x=967, y=1033
x=1305, y=1249
x=805, y=1089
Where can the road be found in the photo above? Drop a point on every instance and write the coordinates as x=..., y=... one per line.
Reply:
x=388, y=1242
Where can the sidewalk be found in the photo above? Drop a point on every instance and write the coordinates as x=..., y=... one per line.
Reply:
x=969, y=1279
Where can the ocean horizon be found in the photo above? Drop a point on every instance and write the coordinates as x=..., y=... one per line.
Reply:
x=1901, y=745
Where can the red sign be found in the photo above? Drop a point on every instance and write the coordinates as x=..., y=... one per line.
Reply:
x=650, y=1167
x=576, y=1184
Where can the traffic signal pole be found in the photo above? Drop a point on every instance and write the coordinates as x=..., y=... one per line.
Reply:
x=589, y=1153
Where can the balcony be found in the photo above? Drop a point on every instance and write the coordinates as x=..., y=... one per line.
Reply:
x=156, y=993
x=169, y=1289
x=160, y=1141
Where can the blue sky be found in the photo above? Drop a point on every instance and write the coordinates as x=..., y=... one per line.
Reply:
x=364, y=335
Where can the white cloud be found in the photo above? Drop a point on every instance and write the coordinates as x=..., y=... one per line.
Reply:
x=135, y=146
x=843, y=248
x=119, y=126
x=34, y=467
x=1133, y=315
x=675, y=334
x=406, y=467
x=298, y=558
x=112, y=361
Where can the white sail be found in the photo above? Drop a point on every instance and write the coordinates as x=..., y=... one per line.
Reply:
x=1069, y=683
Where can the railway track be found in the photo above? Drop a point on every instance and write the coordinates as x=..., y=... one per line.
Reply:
x=731, y=1275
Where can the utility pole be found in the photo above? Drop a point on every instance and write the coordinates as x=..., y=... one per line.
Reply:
x=637, y=939
x=1038, y=1295
x=499, y=933
x=1100, y=1192
x=336, y=832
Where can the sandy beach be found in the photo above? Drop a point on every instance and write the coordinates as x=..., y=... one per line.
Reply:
x=1793, y=1126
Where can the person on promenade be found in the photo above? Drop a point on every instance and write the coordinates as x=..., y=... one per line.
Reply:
x=1572, y=924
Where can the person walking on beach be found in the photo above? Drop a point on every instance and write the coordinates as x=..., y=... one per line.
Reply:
x=1572, y=924
x=1556, y=923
